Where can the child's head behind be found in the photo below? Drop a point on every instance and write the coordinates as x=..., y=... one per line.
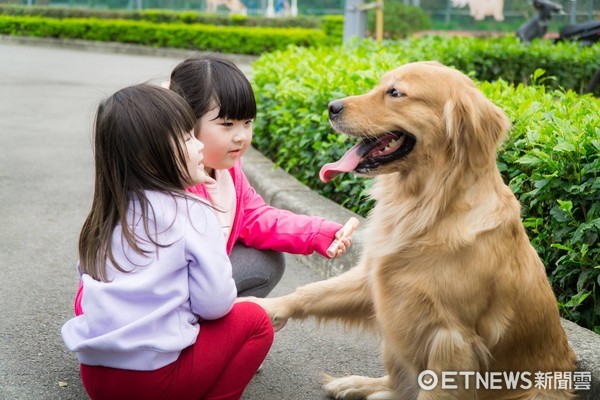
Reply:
x=138, y=139
x=210, y=81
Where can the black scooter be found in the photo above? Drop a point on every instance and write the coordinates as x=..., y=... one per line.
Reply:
x=587, y=33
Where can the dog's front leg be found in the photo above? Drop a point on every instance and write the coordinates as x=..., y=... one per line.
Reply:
x=346, y=297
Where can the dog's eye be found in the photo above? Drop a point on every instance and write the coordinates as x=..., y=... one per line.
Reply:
x=394, y=93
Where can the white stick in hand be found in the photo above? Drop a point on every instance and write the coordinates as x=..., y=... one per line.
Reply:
x=347, y=230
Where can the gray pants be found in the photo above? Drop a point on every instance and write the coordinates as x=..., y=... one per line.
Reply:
x=256, y=272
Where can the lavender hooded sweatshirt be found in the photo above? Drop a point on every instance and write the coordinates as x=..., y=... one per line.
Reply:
x=142, y=319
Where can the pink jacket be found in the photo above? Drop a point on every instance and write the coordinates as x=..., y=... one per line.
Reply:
x=258, y=225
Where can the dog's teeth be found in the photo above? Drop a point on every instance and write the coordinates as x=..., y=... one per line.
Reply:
x=389, y=146
x=393, y=144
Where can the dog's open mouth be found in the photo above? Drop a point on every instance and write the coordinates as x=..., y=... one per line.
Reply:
x=369, y=154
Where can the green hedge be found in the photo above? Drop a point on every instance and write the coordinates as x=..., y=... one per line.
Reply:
x=570, y=65
x=185, y=17
x=551, y=159
x=198, y=37
x=333, y=26
x=399, y=20
x=161, y=16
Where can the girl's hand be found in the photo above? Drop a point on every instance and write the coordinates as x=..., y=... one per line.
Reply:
x=343, y=239
x=344, y=243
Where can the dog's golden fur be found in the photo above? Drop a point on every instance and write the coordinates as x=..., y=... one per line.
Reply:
x=448, y=276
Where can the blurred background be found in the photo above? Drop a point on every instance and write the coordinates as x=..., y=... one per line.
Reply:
x=443, y=14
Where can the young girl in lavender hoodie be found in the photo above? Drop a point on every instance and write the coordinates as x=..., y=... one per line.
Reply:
x=159, y=319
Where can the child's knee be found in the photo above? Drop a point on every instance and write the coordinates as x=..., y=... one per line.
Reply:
x=255, y=315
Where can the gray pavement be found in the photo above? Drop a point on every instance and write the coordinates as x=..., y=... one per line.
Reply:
x=47, y=102
x=49, y=91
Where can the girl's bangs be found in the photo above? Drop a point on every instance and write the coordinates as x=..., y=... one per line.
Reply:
x=235, y=97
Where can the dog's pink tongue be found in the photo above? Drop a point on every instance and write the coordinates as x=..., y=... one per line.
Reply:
x=347, y=163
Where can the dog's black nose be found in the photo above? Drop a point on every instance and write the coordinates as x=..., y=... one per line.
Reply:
x=335, y=108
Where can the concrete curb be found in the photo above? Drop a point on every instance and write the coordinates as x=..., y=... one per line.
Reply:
x=281, y=190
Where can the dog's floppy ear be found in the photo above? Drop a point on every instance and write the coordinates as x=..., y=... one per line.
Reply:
x=474, y=126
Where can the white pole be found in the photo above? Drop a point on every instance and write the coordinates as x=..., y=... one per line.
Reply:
x=270, y=13
x=294, y=8
x=355, y=20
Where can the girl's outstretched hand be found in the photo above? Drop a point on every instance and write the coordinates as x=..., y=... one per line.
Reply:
x=344, y=243
x=343, y=239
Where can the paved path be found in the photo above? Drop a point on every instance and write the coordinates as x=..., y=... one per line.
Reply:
x=47, y=102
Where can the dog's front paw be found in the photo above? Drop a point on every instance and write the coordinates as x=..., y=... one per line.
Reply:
x=274, y=307
x=357, y=388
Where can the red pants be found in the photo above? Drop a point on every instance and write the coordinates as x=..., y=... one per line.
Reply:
x=221, y=363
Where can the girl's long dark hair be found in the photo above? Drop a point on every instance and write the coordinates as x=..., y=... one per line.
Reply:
x=138, y=145
x=209, y=81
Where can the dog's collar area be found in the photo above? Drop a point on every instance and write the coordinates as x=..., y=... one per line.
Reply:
x=375, y=152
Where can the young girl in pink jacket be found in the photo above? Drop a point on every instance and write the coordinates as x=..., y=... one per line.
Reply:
x=224, y=105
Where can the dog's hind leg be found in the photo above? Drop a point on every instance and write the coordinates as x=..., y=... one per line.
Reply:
x=400, y=384
x=451, y=352
x=358, y=388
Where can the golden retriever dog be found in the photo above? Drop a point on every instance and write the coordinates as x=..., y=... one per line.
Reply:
x=448, y=276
